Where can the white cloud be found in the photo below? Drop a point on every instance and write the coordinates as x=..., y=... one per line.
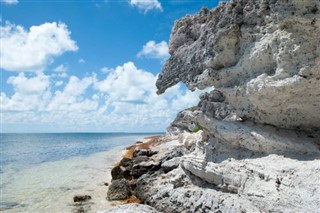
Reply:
x=155, y=50
x=58, y=83
x=81, y=61
x=22, y=84
x=146, y=5
x=71, y=98
x=106, y=70
x=30, y=94
x=124, y=100
x=10, y=1
x=127, y=83
x=61, y=68
x=34, y=49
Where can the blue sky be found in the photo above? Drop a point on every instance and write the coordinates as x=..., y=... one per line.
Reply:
x=89, y=66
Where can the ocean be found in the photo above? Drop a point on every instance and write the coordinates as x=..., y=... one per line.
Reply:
x=42, y=172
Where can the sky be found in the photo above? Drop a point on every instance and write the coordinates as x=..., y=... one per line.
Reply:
x=89, y=65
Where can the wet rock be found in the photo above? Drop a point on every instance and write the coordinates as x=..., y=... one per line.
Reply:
x=119, y=190
x=81, y=198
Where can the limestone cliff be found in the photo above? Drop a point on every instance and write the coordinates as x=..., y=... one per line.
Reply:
x=253, y=143
x=263, y=55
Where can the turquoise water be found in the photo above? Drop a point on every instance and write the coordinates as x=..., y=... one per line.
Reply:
x=23, y=150
x=37, y=169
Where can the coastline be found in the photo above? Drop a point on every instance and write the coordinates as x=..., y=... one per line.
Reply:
x=63, y=180
x=97, y=189
x=51, y=186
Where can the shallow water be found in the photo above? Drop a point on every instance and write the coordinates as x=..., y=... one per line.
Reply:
x=44, y=175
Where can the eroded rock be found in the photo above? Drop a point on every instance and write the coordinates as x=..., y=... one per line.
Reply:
x=263, y=56
x=119, y=190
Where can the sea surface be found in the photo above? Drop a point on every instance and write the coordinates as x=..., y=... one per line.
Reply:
x=42, y=172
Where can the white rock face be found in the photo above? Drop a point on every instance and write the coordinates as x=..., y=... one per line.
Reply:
x=253, y=143
x=215, y=176
x=263, y=55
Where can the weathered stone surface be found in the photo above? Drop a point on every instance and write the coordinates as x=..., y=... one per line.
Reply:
x=262, y=55
x=257, y=144
x=139, y=159
x=144, y=152
x=132, y=208
x=253, y=143
x=126, y=162
x=119, y=190
x=145, y=167
x=220, y=176
x=170, y=165
x=119, y=172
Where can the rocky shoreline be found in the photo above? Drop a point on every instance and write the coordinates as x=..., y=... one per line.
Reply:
x=252, y=144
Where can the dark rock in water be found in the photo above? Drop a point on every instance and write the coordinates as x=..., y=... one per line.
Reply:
x=81, y=198
x=119, y=190
x=80, y=210
x=139, y=142
x=82, y=207
x=7, y=205
x=120, y=172
x=144, y=152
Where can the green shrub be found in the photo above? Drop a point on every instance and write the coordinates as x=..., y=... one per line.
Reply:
x=197, y=128
x=193, y=108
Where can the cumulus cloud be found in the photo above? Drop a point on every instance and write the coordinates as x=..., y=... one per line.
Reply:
x=146, y=5
x=127, y=83
x=155, y=50
x=10, y=1
x=22, y=84
x=30, y=93
x=123, y=100
x=71, y=98
x=34, y=49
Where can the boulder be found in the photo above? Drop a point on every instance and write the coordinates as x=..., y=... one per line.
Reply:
x=119, y=190
x=119, y=172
